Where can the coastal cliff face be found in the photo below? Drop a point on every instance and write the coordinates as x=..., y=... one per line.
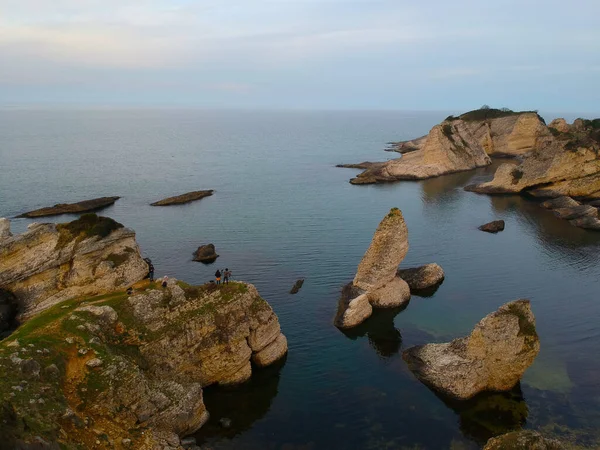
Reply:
x=50, y=263
x=128, y=371
x=460, y=143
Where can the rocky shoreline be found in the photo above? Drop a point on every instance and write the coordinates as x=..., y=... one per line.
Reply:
x=92, y=363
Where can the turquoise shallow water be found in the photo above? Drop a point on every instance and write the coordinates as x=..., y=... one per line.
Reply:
x=282, y=211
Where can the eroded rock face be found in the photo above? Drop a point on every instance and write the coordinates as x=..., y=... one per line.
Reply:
x=50, y=263
x=493, y=358
x=387, y=250
x=523, y=440
x=4, y=229
x=424, y=277
x=459, y=144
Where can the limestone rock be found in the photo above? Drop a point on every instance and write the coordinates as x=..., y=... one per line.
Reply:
x=424, y=277
x=4, y=229
x=493, y=227
x=184, y=198
x=493, y=358
x=392, y=295
x=387, y=250
x=206, y=254
x=353, y=309
x=105, y=314
x=271, y=353
x=72, y=208
x=560, y=125
x=93, y=363
x=576, y=212
x=523, y=440
x=50, y=263
x=560, y=202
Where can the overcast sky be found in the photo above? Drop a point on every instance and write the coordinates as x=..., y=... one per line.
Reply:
x=338, y=54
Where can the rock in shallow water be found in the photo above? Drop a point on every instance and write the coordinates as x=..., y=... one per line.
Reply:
x=576, y=212
x=206, y=254
x=297, y=286
x=392, y=295
x=424, y=277
x=560, y=202
x=354, y=307
x=492, y=358
x=493, y=227
x=523, y=440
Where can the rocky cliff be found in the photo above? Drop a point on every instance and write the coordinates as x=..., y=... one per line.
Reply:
x=460, y=143
x=50, y=263
x=128, y=371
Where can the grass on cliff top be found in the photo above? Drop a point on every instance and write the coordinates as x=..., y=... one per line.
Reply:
x=490, y=113
x=88, y=225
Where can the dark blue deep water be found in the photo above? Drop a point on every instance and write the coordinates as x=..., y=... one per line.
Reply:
x=282, y=211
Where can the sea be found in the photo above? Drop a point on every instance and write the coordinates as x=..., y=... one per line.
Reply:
x=282, y=211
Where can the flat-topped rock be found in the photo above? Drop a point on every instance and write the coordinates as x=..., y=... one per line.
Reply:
x=424, y=277
x=492, y=358
x=184, y=198
x=72, y=208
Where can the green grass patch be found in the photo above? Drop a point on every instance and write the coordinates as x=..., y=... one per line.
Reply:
x=491, y=113
x=88, y=225
x=117, y=259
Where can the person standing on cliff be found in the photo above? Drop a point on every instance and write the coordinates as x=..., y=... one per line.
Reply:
x=151, y=272
x=164, y=281
x=218, y=276
x=226, y=276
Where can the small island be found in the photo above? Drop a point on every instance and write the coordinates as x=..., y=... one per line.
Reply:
x=184, y=198
x=72, y=208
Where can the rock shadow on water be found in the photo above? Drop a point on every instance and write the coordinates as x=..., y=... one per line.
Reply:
x=383, y=335
x=244, y=404
x=489, y=414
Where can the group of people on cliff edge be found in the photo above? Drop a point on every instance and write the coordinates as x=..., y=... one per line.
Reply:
x=226, y=276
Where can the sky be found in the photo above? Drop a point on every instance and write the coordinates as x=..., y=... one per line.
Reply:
x=302, y=54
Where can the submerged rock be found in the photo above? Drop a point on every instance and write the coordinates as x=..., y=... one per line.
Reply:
x=492, y=358
x=206, y=254
x=72, y=208
x=184, y=198
x=586, y=222
x=523, y=440
x=560, y=202
x=493, y=227
x=576, y=212
x=297, y=286
x=424, y=277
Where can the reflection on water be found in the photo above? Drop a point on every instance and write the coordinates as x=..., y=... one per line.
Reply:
x=243, y=405
x=383, y=335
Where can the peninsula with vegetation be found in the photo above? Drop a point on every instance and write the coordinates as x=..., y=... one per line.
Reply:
x=102, y=357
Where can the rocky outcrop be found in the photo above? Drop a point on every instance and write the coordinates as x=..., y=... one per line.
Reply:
x=184, y=198
x=459, y=144
x=50, y=263
x=206, y=254
x=581, y=216
x=493, y=227
x=523, y=440
x=4, y=229
x=560, y=202
x=133, y=368
x=376, y=283
x=492, y=358
x=421, y=278
x=72, y=208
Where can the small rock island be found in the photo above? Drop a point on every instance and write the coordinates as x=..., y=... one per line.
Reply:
x=184, y=198
x=72, y=208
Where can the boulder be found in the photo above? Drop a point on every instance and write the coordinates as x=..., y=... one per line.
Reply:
x=353, y=310
x=576, y=212
x=523, y=440
x=424, y=277
x=560, y=202
x=560, y=125
x=272, y=352
x=392, y=295
x=297, y=286
x=586, y=222
x=72, y=208
x=387, y=250
x=493, y=227
x=183, y=198
x=206, y=254
x=492, y=358
x=4, y=229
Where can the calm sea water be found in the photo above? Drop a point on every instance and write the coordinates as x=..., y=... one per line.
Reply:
x=282, y=211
